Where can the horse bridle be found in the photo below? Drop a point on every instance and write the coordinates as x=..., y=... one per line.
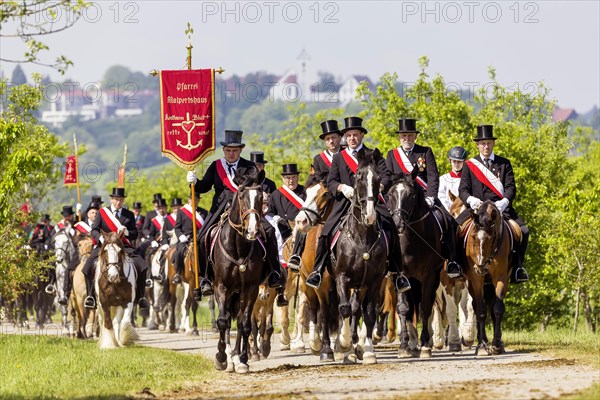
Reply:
x=239, y=228
x=496, y=240
x=318, y=215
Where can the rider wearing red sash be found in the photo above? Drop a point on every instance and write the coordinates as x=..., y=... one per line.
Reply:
x=490, y=177
x=410, y=155
x=340, y=183
x=258, y=158
x=321, y=164
x=144, y=232
x=184, y=233
x=284, y=204
x=220, y=176
x=120, y=220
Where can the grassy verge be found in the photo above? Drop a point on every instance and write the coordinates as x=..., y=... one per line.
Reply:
x=46, y=367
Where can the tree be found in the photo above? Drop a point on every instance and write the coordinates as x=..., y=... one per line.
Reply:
x=27, y=153
x=28, y=20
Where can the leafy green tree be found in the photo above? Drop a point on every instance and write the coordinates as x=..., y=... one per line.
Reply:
x=27, y=153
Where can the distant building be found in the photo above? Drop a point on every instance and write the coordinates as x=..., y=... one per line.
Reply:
x=347, y=92
x=563, y=114
x=286, y=88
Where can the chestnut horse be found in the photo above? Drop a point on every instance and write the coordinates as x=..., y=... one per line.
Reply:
x=86, y=317
x=115, y=285
x=421, y=247
x=317, y=207
x=238, y=259
x=489, y=243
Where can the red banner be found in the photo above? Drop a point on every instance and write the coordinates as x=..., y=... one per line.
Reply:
x=187, y=109
x=71, y=175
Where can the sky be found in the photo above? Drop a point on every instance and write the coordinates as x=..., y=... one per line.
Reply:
x=556, y=42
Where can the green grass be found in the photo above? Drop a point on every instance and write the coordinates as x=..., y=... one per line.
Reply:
x=46, y=367
x=562, y=343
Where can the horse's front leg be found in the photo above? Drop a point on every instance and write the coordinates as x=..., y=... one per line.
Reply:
x=211, y=307
x=403, y=310
x=254, y=323
x=224, y=324
x=244, y=330
x=428, y=291
x=107, y=336
x=344, y=338
x=498, y=310
x=476, y=289
x=194, y=307
x=370, y=317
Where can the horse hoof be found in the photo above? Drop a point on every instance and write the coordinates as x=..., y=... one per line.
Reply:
x=359, y=351
x=172, y=330
x=242, y=369
x=454, y=347
x=298, y=348
x=350, y=359
x=152, y=327
x=466, y=343
x=326, y=357
x=425, y=352
x=438, y=346
x=369, y=358
x=344, y=349
x=405, y=353
x=284, y=347
x=195, y=332
x=230, y=367
x=498, y=350
x=255, y=357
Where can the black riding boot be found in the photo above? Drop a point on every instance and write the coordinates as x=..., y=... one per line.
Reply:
x=519, y=275
x=90, y=300
x=140, y=289
x=51, y=280
x=321, y=259
x=453, y=267
x=68, y=284
x=296, y=258
x=401, y=282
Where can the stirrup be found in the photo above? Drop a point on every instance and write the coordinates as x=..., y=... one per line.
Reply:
x=206, y=288
x=314, y=280
x=274, y=279
x=149, y=284
x=294, y=263
x=520, y=275
x=453, y=270
x=176, y=279
x=50, y=289
x=89, y=302
x=402, y=284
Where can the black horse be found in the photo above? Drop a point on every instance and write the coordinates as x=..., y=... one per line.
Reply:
x=361, y=256
x=238, y=260
x=422, y=261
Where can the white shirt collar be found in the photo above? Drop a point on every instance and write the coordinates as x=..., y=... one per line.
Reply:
x=491, y=157
x=356, y=149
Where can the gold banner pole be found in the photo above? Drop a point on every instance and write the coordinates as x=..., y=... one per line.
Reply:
x=77, y=174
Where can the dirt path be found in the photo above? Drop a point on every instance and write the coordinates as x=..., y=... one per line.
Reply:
x=446, y=375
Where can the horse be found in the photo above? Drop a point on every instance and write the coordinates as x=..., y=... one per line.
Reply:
x=158, y=304
x=115, y=281
x=452, y=298
x=489, y=243
x=386, y=320
x=86, y=317
x=182, y=292
x=64, y=252
x=421, y=247
x=361, y=256
x=317, y=207
x=262, y=323
x=238, y=261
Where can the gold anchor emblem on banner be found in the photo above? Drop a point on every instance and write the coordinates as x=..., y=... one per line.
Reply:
x=188, y=126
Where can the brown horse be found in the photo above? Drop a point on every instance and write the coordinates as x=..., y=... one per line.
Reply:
x=488, y=245
x=386, y=320
x=421, y=247
x=86, y=318
x=238, y=260
x=310, y=219
x=115, y=284
x=262, y=322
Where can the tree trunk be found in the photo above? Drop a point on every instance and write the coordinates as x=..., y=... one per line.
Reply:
x=588, y=313
x=576, y=318
x=545, y=321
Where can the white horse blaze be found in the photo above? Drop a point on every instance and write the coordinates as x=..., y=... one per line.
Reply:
x=480, y=237
x=310, y=203
x=253, y=221
x=371, y=216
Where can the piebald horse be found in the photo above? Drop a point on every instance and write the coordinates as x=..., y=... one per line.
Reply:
x=115, y=285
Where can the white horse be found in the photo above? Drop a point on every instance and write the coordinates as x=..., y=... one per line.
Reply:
x=158, y=304
x=115, y=285
x=64, y=252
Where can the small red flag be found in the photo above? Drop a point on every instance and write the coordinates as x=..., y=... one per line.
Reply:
x=71, y=175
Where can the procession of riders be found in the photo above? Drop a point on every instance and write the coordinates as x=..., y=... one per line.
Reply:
x=484, y=177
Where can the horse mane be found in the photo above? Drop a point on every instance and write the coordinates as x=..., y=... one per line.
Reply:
x=249, y=176
x=484, y=218
x=312, y=179
x=368, y=157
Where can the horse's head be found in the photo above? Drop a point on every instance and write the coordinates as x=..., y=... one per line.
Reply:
x=317, y=198
x=263, y=292
x=366, y=185
x=487, y=226
x=62, y=242
x=405, y=199
x=246, y=211
x=112, y=255
x=85, y=245
x=457, y=206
